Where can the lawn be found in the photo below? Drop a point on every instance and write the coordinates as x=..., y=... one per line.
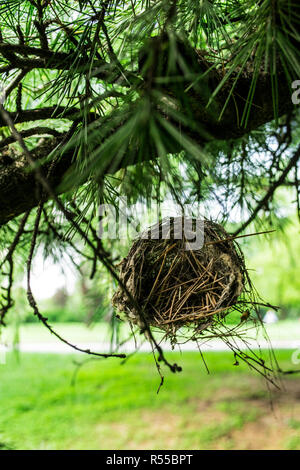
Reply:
x=115, y=406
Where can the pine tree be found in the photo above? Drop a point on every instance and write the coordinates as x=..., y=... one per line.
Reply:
x=197, y=98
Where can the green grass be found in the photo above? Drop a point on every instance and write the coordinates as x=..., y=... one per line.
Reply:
x=114, y=406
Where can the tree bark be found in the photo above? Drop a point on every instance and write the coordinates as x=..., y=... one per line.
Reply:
x=19, y=191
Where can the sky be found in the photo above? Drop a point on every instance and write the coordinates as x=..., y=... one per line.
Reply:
x=47, y=277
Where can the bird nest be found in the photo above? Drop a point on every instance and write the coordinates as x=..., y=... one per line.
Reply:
x=172, y=282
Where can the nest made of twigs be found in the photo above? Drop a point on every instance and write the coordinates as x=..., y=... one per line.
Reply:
x=174, y=286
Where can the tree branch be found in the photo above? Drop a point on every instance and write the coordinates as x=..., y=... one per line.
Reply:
x=50, y=112
x=31, y=132
x=269, y=194
x=202, y=122
x=53, y=60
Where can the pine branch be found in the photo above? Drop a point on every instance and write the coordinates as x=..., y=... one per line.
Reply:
x=50, y=112
x=270, y=193
x=53, y=60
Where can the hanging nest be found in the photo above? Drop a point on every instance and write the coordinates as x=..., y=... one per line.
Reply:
x=176, y=286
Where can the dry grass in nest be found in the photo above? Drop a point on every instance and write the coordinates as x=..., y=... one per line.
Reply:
x=187, y=293
x=176, y=287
